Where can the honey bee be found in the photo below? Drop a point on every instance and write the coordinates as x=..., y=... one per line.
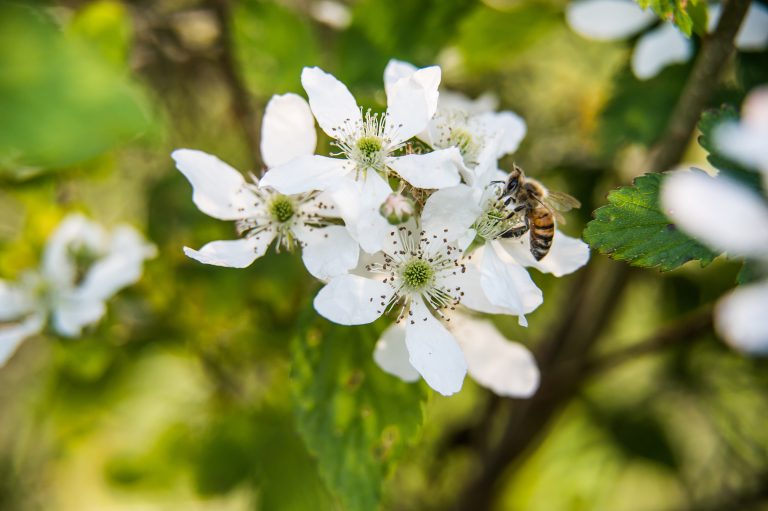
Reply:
x=540, y=209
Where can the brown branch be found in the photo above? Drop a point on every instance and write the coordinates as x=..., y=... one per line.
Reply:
x=716, y=50
x=595, y=294
x=241, y=101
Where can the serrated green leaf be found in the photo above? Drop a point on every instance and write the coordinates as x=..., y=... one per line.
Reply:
x=355, y=418
x=709, y=121
x=684, y=13
x=632, y=228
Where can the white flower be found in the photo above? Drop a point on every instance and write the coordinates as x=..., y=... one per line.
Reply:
x=606, y=20
x=747, y=141
x=728, y=216
x=263, y=215
x=507, y=368
x=420, y=271
x=473, y=127
x=368, y=145
x=82, y=267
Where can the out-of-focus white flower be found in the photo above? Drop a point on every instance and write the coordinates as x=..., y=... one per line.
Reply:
x=606, y=20
x=419, y=270
x=507, y=368
x=263, y=215
x=367, y=145
x=83, y=266
x=747, y=141
x=472, y=126
x=334, y=14
x=727, y=216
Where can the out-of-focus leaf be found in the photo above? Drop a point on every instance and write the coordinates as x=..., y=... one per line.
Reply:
x=751, y=271
x=489, y=38
x=272, y=44
x=355, y=418
x=688, y=15
x=710, y=120
x=633, y=228
x=60, y=102
x=639, y=110
x=105, y=26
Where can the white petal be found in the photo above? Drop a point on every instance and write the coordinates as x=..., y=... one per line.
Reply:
x=565, y=256
x=15, y=301
x=328, y=251
x=287, y=130
x=433, y=351
x=505, y=367
x=121, y=267
x=605, y=20
x=395, y=70
x=11, y=335
x=233, y=253
x=306, y=173
x=506, y=129
x=719, y=212
x=411, y=103
x=438, y=169
x=358, y=204
x=71, y=313
x=743, y=144
x=392, y=355
x=506, y=283
x=470, y=282
x=352, y=300
x=218, y=190
x=742, y=318
x=659, y=48
x=448, y=214
x=330, y=100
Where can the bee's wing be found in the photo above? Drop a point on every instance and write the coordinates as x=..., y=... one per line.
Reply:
x=559, y=218
x=562, y=201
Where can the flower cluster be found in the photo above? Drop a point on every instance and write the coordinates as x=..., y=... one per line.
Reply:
x=408, y=216
x=728, y=215
x=83, y=266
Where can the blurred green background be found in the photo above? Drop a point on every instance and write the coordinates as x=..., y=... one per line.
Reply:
x=218, y=389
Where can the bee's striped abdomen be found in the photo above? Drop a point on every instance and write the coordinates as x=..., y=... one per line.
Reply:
x=542, y=231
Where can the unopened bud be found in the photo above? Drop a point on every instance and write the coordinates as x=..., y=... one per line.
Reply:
x=397, y=209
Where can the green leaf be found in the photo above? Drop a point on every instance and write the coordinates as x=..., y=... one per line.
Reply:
x=686, y=14
x=61, y=102
x=632, y=228
x=355, y=418
x=710, y=120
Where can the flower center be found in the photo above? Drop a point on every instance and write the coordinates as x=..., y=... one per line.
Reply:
x=417, y=274
x=462, y=139
x=281, y=209
x=369, y=147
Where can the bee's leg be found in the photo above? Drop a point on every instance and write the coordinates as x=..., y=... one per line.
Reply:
x=514, y=211
x=516, y=232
